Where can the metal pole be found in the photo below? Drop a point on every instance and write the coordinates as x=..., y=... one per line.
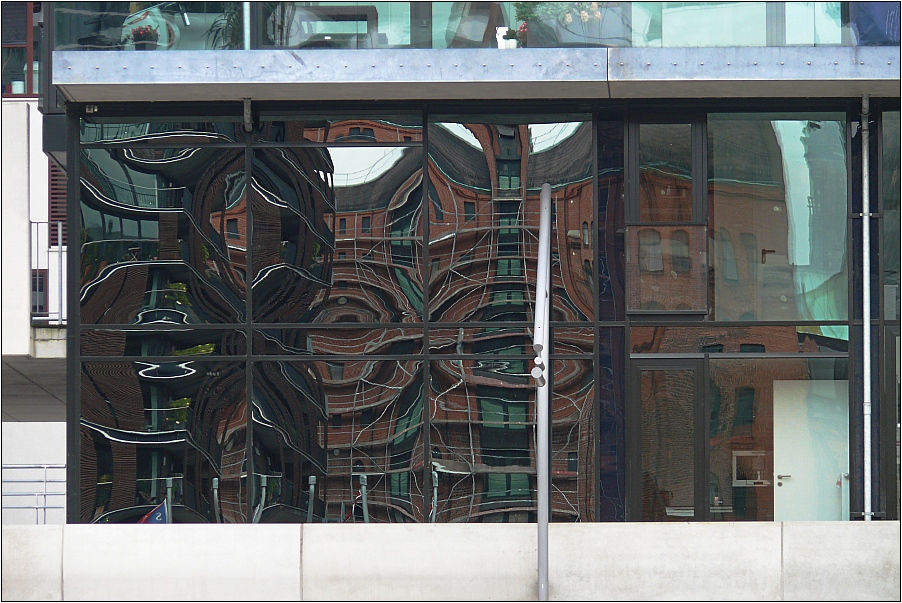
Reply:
x=866, y=297
x=366, y=511
x=59, y=268
x=541, y=375
x=434, y=495
x=312, y=482
x=216, y=499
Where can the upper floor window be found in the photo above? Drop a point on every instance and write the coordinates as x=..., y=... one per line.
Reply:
x=21, y=34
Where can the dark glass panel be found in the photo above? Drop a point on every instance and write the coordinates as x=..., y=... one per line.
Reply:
x=732, y=340
x=777, y=190
x=484, y=195
x=669, y=272
x=482, y=429
x=573, y=425
x=14, y=80
x=148, y=26
x=667, y=443
x=568, y=340
x=334, y=128
x=162, y=342
x=304, y=272
x=174, y=131
x=779, y=438
x=611, y=387
x=315, y=25
x=513, y=349
x=289, y=418
x=665, y=173
x=154, y=239
x=610, y=220
x=379, y=434
x=339, y=341
x=891, y=195
x=173, y=430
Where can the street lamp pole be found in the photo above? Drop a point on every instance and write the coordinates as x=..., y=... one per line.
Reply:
x=542, y=376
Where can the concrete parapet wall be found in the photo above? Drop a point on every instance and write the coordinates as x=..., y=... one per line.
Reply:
x=644, y=561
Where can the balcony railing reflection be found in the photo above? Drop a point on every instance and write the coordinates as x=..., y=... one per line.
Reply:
x=446, y=25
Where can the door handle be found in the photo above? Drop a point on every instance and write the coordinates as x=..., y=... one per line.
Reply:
x=779, y=476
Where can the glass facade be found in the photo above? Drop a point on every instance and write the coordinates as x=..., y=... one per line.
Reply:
x=441, y=25
x=329, y=318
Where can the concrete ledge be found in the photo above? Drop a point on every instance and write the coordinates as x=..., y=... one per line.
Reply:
x=680, y=561
x=48, y=342
x=32, y=563
x=841, y=561
x=664, y=562
x=526, y=73
x=420, y=562
x=182, y=563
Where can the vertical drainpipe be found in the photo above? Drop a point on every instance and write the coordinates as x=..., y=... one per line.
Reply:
x=866, y=297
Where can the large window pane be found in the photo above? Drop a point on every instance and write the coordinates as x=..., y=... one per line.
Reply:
x=665, y=172
x=163, y=430
x=668, y=444
x=333, y=128
x=777, y=191
x=148, y=26
x=750, y=339
x=666, y=268
x=337, y=234
x=336, y=25
x=375, y=428
x=163, y=237
x=484, y=188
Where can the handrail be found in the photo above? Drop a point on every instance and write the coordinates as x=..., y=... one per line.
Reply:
x=41, y=495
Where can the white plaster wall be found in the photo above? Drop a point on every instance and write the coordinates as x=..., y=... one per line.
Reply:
x=34, y=442
x=717, y=561
x=39, y=171
x=16, y=270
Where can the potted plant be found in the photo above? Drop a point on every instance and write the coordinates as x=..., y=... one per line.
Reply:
x=570, y=24
x=145, y=37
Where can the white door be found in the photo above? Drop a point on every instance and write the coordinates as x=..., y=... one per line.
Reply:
x=811, y=450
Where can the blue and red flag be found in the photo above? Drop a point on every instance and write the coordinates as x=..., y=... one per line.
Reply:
x=159, y=514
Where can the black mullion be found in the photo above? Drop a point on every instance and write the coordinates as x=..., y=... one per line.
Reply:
x=632, y=465
x=73, y=321
x=265, y=144
x=699, y=170
x=251, y=490
x=885, y=381
x=424, y=272
x=702, y=441
x=596, y=338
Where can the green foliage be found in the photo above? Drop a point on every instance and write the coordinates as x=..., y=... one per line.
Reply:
x=201, y=349
x=565, y=12
x=178, y=293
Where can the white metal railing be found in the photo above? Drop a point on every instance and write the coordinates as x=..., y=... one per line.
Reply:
x=35, y=487
x=48, y=274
